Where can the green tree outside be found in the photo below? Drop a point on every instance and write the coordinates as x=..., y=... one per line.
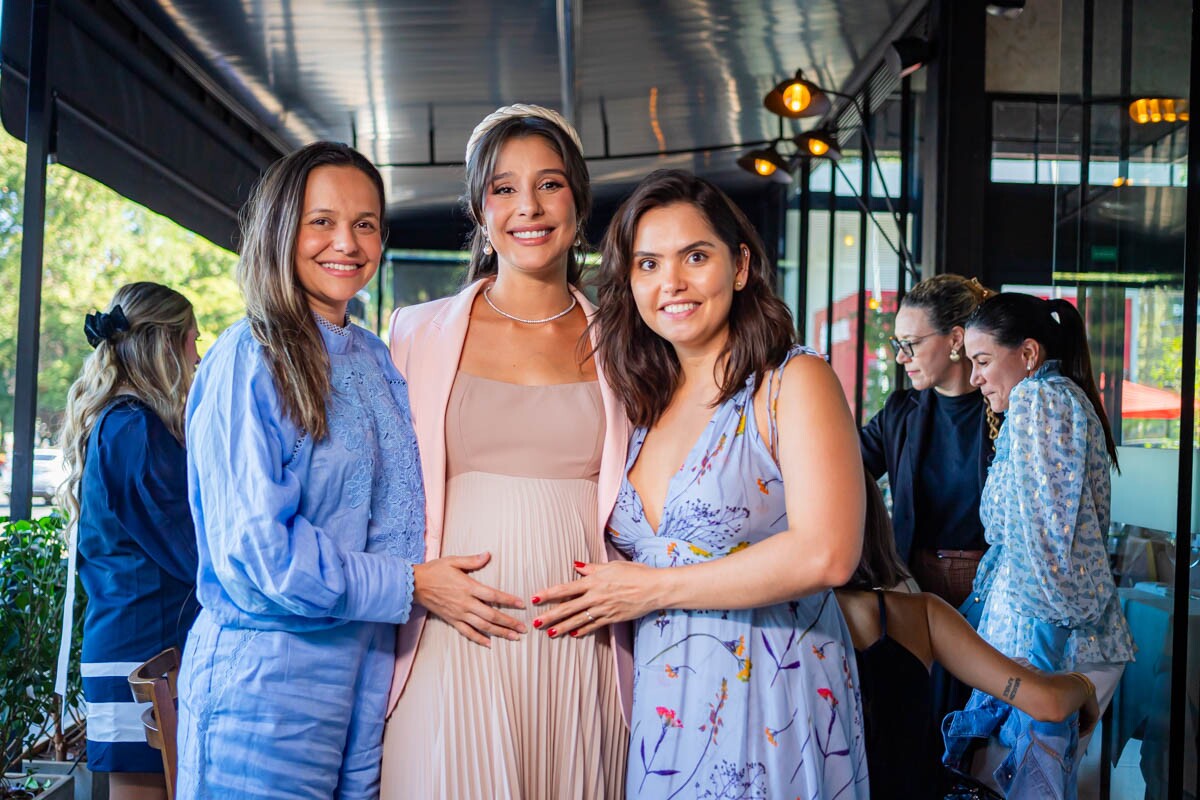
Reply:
x=96, y=241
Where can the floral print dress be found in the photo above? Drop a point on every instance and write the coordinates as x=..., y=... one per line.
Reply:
x=755, y=703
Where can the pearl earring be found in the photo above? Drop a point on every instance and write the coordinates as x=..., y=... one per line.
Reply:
x=487, y=243
x=954, y=356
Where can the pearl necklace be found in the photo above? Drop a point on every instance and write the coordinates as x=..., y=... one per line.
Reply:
x=502, y=313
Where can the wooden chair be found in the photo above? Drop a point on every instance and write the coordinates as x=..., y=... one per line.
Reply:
x=154, y=682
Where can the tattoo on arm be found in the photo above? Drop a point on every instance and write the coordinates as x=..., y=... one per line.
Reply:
x=1010, y=691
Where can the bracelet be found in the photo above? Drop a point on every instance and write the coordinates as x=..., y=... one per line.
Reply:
x=1088, y=686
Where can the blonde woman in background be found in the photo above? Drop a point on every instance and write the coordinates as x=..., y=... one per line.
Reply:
x=127, y=490
x=522, y=447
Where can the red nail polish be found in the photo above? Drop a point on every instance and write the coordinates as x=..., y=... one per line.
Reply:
x=536, y=599
x=574, y=634
x=552, y=632
x=579, y=565
x=537, y=623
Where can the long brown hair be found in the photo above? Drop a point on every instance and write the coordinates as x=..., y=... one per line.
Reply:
x=276, y=305
x=146, y=361
x=880, y=566
x=640, y=365
x=489, y=137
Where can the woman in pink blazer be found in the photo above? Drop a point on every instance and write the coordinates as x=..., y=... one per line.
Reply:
x=522, y=451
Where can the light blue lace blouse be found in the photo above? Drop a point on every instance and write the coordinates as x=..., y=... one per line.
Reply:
x=296, y=535
x=1045, y=511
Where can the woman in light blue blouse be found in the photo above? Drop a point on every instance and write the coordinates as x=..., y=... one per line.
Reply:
x=306, y=492
x=1048, y=590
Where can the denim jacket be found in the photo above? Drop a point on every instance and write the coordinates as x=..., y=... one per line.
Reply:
x=1041, y=761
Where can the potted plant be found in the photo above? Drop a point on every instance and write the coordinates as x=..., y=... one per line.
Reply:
x=33, y=573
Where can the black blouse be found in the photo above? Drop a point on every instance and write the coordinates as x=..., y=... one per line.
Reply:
x=917, y=430
x=947, y=489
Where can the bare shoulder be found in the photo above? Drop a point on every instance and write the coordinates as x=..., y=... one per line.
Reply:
x=804, y=381
x=810, y=384
x=908, y=622
x=861, y=611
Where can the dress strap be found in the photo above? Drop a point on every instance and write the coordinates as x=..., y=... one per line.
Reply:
x=882, y=613
x=774, y=385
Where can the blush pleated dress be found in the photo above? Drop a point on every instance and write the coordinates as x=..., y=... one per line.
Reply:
x=538, y=717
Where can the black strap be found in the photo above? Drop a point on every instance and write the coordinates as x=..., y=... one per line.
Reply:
x=882, y=613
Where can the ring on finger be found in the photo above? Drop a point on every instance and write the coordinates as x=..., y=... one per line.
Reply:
x=589, y=616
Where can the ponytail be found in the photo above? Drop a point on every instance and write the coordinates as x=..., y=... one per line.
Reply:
x=1012, y=317
x=1070, y=346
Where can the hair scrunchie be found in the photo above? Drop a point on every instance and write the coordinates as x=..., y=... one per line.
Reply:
x=1054, y=304
x=101, y=327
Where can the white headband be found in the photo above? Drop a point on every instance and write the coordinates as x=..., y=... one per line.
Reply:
x=517, y=111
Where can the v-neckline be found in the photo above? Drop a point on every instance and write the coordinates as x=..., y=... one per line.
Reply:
x=687, y=459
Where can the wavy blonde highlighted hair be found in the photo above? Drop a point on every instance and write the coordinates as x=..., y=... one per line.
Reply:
x=146, y=361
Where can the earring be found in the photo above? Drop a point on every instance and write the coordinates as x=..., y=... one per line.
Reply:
x=1029, y=366
x=954, y=356
x=737, y=285
x=580, y=241
x=487, y=243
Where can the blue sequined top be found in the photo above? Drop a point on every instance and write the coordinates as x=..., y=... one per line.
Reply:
x=1045, y=511
x=294, y=534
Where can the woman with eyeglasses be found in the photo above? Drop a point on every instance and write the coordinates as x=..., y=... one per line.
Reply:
x=934, y=441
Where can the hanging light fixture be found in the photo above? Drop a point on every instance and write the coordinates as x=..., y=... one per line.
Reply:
x=818, y=144
x=1147, y=110
x=797, y=97
x=766, y=163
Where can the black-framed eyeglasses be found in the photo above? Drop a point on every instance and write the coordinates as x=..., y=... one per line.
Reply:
x=906, y=345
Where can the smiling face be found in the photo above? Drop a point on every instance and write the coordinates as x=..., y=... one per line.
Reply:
x=683, y=278
x=339, y=240
x=996, y=369
x=529, y=211
x=930, y=364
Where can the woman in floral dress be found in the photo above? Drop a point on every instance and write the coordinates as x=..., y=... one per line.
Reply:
x=743, y=685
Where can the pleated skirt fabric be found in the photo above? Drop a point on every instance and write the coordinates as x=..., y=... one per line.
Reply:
x=534, y=718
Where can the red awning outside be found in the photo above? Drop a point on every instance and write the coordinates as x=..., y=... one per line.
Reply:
x=1147, y=402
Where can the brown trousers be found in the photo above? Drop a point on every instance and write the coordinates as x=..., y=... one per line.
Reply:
x=947, y=573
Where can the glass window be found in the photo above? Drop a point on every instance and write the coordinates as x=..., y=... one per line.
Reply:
x=849, y=177
x=883, y=274
x=1058, y=171
x=890, y=167
x=816, y=290
x=788, y=267
x=820, y=179
x=842, y=349
x=1014, y=170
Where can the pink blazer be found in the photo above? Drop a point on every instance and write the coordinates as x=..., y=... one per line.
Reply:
x=426, y=343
